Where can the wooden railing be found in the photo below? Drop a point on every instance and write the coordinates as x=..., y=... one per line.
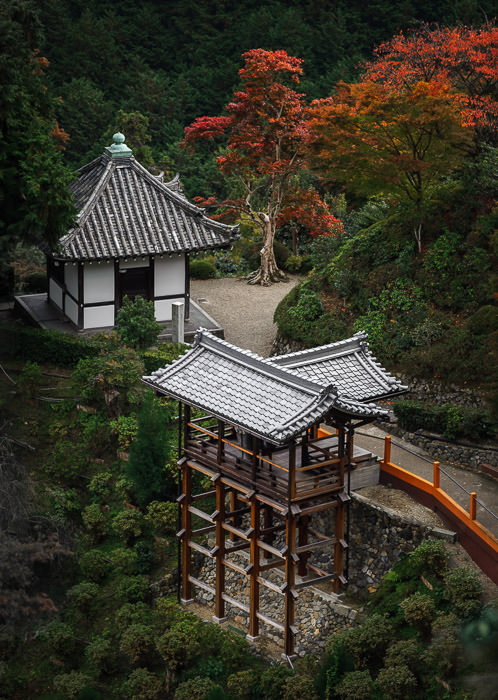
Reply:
x=322, y=475
x=479, y=542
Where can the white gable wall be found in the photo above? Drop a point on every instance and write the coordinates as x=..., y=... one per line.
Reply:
x=55, y=292
x=71, y=279
x=98, y=283
x=162, y=308
x=169, y=276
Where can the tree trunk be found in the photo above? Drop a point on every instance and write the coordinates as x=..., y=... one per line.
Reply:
x=417, y=230
x=268, y=272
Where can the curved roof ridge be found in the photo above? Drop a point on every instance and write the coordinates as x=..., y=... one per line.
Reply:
x=340, y=345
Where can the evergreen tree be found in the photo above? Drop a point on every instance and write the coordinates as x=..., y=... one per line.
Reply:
x=149, y=454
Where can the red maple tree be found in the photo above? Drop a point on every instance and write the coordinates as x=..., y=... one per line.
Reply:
x=463, y=57
x=266, y=131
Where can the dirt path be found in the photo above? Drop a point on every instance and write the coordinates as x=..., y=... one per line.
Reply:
x=244, y=311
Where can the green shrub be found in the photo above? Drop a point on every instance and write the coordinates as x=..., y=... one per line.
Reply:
x=145, y=557
x=447, y=419
x=94, y=565
x=272, y=680
x=242, y=684
x=194, y=689
x=419, y=610
x=95, y=521
x=137, y=642
x=299, y=687
x=125, y=428
x=444, y=653
x=45, y=347
x=100, y=485
x=142, y=685
x=202, y=269
x=133, y=589
x=127, y=524
x=404, y=652
x=179, y=645
x=430, y=558
x=60, y=637
x=367, y=642
x=71, y=684
x=36, y=282
x=132, y=613
x=484, y=321
x=463, y=589
x=294, y=263
x=397, y=682
x=83, y=596
x=149, y=454
x=101, y=654
x=123, y=560
x=356, y=685
x=136, y=323
x=29, y=379
x=164, y=355
x=162, y=516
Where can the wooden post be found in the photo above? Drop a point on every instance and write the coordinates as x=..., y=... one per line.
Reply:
x=387, y=449
x=221, y=446
x=436, y=475
x=341, y=452
x=289, y=581
x=233, y=506
x=187, y=533
x=473, y=504
x=186, y=428
x=220, y=552
x=338, y=550
x=302, y=567
x=254, y=463
x=254, y=584
x=292, y=470
x=267, y=523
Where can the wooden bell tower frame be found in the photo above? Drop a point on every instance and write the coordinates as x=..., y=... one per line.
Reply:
x=262, y=495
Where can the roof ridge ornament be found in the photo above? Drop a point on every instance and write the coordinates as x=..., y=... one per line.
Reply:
x=118, y=149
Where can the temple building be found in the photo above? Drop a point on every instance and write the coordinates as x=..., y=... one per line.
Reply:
x=276, y=439
x=133, y=236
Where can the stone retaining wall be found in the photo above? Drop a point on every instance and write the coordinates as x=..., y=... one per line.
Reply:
x=475, y=458
x=379, y=537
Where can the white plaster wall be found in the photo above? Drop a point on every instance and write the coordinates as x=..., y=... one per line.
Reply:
x=55, y=293
x=71, y=310
x=98, y=284
x=128, y=264
x=169, y=276
x=163, y=308
x=71, y=279
x=98, y=317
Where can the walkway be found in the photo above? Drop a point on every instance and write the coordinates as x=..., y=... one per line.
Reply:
x=244, y=311
x=372, y=438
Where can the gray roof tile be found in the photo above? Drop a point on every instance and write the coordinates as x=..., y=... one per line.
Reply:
x=124, y=210
x=244, y=389
x=348, y=364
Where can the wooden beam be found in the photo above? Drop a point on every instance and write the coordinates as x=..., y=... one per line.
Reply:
x=290, y=581
x=254, y=582
x=303, y=548
x=187, y=530
x=220, y=553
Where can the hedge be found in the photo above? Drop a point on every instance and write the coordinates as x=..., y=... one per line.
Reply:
x=447, y=419
x=202, y=269
x=37, y=345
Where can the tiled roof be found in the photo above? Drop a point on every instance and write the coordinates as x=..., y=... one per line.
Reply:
x=125, y=211
x=247, y=391
x=348, y=364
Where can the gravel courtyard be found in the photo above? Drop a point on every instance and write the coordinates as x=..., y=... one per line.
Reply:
x=244, y=311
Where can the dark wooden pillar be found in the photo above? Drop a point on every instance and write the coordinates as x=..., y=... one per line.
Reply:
x=267, y=525
x=339, y=515
x=221, y=444
x=186, y=532
x=254, y=573
x=292, y=471
x=302, y=568
x=290, y=594
x=220, y=552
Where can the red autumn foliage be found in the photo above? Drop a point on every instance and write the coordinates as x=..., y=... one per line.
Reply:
x=267, y=135
x=465, y=58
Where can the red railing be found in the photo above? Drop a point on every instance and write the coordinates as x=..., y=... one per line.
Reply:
x=479, y=542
